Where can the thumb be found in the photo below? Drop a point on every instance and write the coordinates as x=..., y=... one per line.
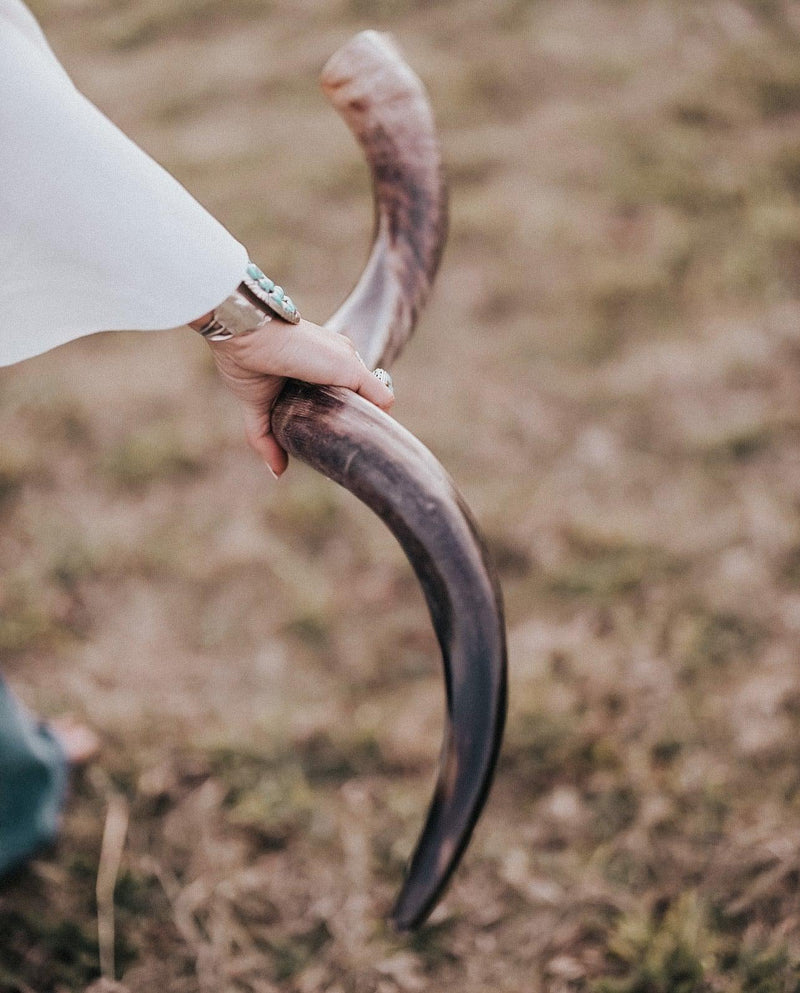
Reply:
x=261, y=439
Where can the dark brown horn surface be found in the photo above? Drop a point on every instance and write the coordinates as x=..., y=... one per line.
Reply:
x=358, y=446
x=393, y=473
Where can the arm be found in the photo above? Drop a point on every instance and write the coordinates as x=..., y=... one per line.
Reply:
x=95, y=236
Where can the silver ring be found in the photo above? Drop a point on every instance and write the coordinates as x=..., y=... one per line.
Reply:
x=383, y=377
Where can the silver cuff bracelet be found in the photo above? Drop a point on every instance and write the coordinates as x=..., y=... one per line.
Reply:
x=243, y=311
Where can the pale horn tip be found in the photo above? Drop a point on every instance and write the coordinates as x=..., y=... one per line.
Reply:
x=362, y=62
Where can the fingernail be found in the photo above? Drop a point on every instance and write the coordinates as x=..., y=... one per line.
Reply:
x=272, y=472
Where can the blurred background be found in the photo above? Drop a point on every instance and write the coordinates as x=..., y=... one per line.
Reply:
x=610, y=369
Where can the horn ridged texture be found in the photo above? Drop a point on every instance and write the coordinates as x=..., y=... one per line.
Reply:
x=385, y=106
x=358, y=446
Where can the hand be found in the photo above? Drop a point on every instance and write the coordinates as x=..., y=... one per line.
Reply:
x=255, y=366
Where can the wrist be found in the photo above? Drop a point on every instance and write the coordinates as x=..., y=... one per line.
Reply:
x=255, y=302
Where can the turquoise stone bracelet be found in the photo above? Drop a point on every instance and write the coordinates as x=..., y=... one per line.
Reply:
x=243, y=311
x=263, y=288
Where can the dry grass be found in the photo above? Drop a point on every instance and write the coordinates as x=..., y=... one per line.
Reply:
x=611, y=370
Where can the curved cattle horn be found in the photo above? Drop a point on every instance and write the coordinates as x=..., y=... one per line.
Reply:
x=386, y=107
x=358, y=446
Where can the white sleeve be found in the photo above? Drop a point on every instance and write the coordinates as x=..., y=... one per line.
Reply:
x=94, y=235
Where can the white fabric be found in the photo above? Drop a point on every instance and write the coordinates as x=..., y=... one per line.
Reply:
x=94, y=235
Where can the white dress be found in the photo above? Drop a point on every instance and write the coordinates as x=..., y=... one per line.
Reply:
x=94, y=235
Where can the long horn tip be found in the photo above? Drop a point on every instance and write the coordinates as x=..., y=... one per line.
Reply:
x=365, y=60
x=409, y=914
x=366, y=47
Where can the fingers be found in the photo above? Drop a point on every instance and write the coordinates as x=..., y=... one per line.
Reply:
x=336, y=362
x=331, y=359
x=307, y=352
x=374, y=389
x=262, y=441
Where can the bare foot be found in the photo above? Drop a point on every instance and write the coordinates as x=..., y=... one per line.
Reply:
x=79, y=742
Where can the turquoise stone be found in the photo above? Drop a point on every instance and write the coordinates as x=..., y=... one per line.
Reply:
x=268, y=292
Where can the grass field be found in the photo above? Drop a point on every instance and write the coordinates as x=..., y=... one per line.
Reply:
x=610, y=369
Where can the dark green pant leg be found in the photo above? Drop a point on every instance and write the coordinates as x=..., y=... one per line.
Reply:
x=33, y=780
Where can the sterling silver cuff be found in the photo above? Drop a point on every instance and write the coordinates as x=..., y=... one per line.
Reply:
x=243, y=311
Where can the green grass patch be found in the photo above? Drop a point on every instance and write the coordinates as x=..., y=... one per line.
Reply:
x=676, y=948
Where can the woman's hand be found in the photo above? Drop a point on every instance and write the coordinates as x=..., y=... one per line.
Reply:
x=254, y=366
